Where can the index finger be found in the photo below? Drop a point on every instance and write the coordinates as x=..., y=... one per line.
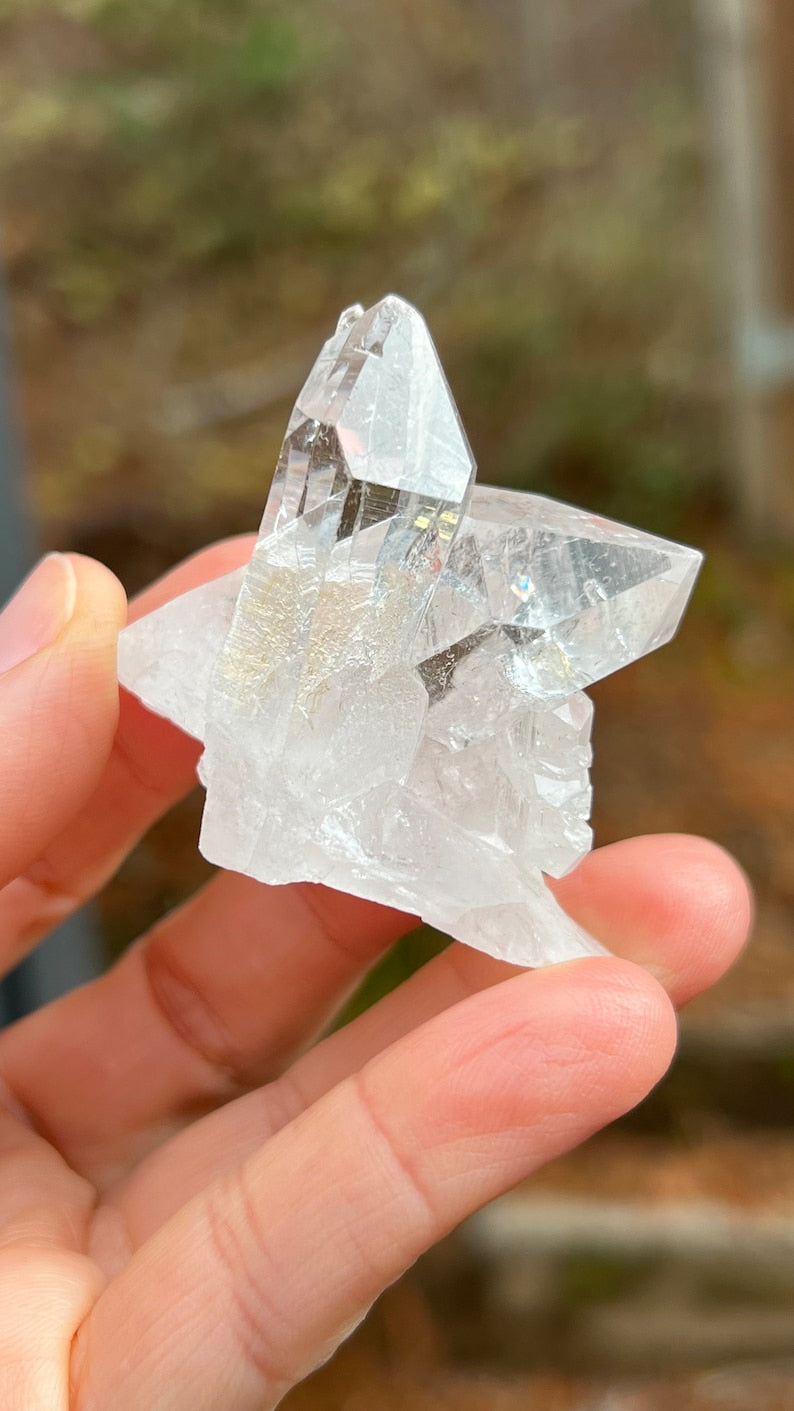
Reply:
x=58, y=708
x=150, y=767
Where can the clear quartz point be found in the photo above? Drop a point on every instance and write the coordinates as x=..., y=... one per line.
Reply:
x=390, y=694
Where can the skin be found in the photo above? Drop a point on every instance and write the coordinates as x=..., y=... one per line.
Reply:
x=198, y=1199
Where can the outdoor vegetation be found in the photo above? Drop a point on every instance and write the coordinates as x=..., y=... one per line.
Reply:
x=195, y=186
x=193, y=189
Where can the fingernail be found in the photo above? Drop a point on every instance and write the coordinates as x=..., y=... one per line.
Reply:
x=38, y=612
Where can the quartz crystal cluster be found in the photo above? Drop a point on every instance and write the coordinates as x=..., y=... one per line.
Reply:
x=391, y=694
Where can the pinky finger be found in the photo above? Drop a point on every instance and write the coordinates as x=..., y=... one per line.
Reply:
x=257, y=1280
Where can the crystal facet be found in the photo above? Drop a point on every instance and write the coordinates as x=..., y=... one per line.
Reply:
x=390, y=694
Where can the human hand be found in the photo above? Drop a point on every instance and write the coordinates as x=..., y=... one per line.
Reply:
x=197, y=1200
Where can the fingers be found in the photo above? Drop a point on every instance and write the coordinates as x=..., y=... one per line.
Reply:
x=47, y=1283
x=42, y=1200
x=58, y=708
x=45, y=1295
x=150, y=767
x=216, y=999
x=678, y=905
x=258, y=1280
x=686, y=898
x=184, y=1020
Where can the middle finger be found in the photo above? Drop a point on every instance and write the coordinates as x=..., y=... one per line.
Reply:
x=246, y=973
x=215, y=1000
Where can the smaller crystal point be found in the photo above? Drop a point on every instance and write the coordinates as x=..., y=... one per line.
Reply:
x=350, y=316
x=390, y=695
x=554, y=598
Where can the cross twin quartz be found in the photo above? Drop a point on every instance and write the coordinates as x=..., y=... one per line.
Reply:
x=391, y=694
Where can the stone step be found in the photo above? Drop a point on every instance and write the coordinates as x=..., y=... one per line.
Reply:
x=629, y=1256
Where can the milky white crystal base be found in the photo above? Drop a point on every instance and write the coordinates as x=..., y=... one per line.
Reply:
x=390, y=695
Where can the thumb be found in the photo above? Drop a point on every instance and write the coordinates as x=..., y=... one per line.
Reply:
x=58, y=700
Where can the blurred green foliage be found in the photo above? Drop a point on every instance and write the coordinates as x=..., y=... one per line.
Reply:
x=265, y=162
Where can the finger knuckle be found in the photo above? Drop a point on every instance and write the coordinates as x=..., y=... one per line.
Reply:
x=249, y=1276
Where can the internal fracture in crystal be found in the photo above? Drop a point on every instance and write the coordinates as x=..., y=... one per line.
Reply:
x=391, y=694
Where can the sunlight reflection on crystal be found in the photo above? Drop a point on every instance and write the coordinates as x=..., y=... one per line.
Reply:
x=390, y=695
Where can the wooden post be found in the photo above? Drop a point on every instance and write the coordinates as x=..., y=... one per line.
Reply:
x=72, y=954
x=750, y=67
x=779, y=67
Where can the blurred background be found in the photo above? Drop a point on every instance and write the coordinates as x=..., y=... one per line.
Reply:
x=594, y=207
